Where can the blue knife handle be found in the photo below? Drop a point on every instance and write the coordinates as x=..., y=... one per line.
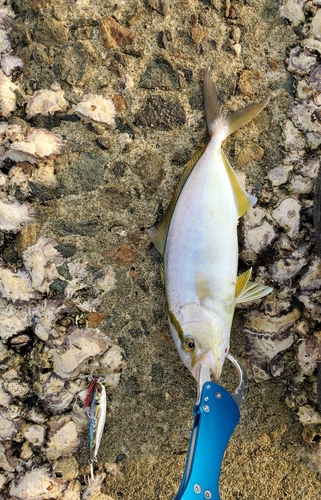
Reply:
x=216, y=417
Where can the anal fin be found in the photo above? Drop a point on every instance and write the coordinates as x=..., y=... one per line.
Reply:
x=246, y=290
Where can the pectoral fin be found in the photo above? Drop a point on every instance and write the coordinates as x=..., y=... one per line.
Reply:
x=243, y=200
x=158, y=233
x=246, y=290
x=202, y=287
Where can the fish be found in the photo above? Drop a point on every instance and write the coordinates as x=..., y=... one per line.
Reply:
x=197, y=239
x=96, y=405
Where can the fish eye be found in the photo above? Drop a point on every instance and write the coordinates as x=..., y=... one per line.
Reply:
x=189, y=344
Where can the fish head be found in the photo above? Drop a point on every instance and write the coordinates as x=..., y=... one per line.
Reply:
x=202, y=339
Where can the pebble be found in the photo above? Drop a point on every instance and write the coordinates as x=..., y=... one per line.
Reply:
x=114, y=35
x=125, y=255
x=161, y=113
x=160, y=74
x=287, y=215
x=150, y=168
x=161, y=6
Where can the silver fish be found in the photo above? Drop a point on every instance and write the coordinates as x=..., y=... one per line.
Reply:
x=198, y=241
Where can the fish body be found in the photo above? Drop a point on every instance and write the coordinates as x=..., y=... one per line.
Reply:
x=97, y=405
x=198, y=241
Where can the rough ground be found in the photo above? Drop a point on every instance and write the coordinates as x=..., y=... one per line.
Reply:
x=113, y=184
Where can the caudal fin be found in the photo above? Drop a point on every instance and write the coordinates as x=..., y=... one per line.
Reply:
x=233, y=120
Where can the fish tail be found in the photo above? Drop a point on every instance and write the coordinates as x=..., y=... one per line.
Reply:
x=215, y=118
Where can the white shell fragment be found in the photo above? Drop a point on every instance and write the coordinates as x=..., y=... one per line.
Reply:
x=97, y=109
x=316, y=24
x=15, y=286
x=56, y=393
x=46, y=102
x=44, y=315
x=287, y=215
x=81, y=345
x=64, y=439
x=38, y=144
x=7, y=428
x=13, y=320
x=108, y=281
x=36, y=484
x=35, y=434
x=301, y=60
x=308, y=354
x=10, y=62
x=279, y=175
x=307, y=415
x=14, y=215
x=7, y=95
x=311, y=280
x=293, y=11
x=257, y=322
x=41, y=260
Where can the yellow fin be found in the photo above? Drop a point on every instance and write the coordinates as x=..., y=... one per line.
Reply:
x=158, y=233
x=243, y=200
x=202, y=286
x=246, y=290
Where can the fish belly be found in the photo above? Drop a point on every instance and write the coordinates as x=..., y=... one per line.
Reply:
x=203, y=237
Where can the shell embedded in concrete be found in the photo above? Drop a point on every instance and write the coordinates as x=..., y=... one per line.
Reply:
x=14, y=215
x=96, y=108
x=41, y=261
x=37, y=145
x=36, y=485
x=46, y=102
x=7, y=95
x=80, y=346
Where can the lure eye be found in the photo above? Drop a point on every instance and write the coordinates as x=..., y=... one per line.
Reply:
x=189, y=344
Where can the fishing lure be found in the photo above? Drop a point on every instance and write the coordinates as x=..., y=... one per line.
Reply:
x=96, y=404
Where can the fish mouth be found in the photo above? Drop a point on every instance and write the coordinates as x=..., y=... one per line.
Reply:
x=207, y=359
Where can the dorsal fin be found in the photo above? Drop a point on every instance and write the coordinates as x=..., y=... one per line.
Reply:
x=158, y=233
x=243, y=200
x=246, y=290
